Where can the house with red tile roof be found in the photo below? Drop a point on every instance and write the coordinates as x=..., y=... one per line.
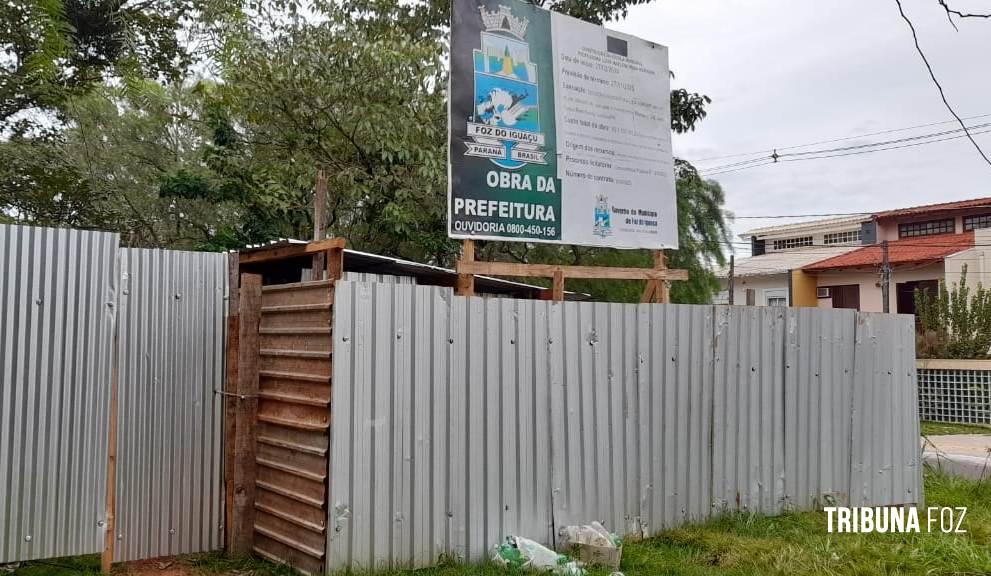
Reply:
x=925, y=244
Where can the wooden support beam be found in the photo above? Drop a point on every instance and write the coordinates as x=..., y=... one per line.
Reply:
x=557, y=290
x=246, y=397
x=658, y=290
x=649, y=290
x=290, y=251
x=320, y=206
x=663, y=293
x=229, y=398
x=466, y=280
x=110, y=535
x=319, y=222
x=335, y=263
x=548, y=271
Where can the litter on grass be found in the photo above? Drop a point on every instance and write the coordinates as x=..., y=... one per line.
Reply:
x=519, y=552
x=592, y=544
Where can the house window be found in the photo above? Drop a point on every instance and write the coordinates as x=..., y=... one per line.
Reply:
x=846, y=296
x=798, y=242
x=975, y=222
x=927, y=228
x=776, y=296
x=841, y=237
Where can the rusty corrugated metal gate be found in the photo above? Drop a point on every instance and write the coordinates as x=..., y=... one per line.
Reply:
x=293, y=417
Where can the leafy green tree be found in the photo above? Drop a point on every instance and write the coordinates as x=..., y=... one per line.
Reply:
x=359, y=98
x=56, y=50
x=356, y=88
x=40, y=186
x=953, y=322
x=124, y=162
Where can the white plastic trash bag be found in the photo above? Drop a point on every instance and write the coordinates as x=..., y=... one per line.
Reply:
x=519, y=552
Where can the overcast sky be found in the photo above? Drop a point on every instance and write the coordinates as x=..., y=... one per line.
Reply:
x=783, y=73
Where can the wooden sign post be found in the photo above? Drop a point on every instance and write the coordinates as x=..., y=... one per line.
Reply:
x=656, y=277
x=658, y=290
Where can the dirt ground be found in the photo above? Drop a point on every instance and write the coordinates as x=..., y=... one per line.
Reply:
x=155, y=567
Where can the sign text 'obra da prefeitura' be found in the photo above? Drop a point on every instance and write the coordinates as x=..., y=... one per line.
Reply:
x=560, y=131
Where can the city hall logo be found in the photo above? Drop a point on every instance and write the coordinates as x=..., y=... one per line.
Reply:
x=505, y=126
x=603, y=225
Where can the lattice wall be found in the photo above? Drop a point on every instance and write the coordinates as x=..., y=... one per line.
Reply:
x=961, y=396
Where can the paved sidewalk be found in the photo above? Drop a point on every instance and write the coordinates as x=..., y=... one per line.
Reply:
x=967, y=455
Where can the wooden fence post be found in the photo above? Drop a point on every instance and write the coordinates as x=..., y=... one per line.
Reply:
x=246, y=398
x=110, y=535
x=230, y=389
x=557, y=288
x=466, y=282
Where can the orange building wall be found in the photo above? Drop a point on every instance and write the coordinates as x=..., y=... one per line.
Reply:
x=803, y=289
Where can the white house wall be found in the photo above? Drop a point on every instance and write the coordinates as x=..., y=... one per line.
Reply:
x=760, y=284
x=977, y=260
x=869, y=282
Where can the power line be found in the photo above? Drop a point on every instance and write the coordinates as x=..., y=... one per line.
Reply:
x=939, y=86
x=886, y=148
x=765, y=162
x=822, y=215
x=885, y=142
x=918, y=140
x=833, y=140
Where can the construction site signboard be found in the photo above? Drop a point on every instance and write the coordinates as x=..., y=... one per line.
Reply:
x=559, y=131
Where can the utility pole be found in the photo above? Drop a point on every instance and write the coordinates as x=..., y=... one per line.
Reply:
x=729, y=283
x=885, y=277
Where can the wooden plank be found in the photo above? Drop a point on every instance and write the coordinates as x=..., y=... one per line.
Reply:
x=247, y=408
x=319, y=222
x=649, y=290
x=335, y=263
x=657, y=290
x=557, y=290
x=548, y=270
x=466, y=281
x=290, y=251
x=662, y=293
x=295, y=286
x=230, y=389
x=111, y=520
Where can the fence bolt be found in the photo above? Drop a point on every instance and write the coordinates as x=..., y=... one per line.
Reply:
x=27, y=538
x=99, y=523
x=171, y=531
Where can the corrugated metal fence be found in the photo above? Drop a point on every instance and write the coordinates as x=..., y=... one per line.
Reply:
x=58, y=292
x=458, y=421
x=62, y=295
x=169, y=447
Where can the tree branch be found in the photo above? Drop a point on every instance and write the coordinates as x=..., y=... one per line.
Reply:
x=939, y=86
x=959, y=14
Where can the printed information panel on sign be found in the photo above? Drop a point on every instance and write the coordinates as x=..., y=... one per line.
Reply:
x=560, y=131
